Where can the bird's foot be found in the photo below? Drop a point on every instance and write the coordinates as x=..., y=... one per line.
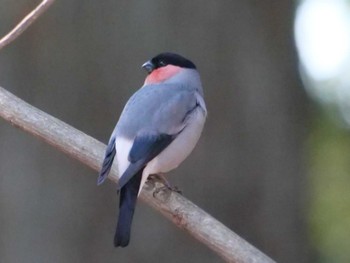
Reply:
x=166, y=188
x=160, y=178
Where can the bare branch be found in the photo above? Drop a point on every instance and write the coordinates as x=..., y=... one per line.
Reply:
x=25, y=23
x=89, y=151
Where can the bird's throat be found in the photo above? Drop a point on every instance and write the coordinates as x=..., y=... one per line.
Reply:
x=162, y=74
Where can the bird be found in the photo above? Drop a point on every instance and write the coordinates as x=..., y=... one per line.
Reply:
x=158, y=128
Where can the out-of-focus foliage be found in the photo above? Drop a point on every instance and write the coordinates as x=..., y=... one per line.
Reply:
x=329, y=149
x=323, y=39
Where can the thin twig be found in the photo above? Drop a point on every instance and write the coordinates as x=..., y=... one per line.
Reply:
x=25, y=23
x=89, y=151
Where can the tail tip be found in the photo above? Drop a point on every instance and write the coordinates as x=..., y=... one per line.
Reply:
x=120, y=242
x=101, y=179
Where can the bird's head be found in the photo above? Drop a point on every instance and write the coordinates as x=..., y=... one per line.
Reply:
x=164, y=66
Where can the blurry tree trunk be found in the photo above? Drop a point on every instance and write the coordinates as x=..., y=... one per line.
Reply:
x=270, y=129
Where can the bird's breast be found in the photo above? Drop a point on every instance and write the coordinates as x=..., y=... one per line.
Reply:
x=181, y=147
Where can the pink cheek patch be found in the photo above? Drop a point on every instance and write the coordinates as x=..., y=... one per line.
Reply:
x=162, y=74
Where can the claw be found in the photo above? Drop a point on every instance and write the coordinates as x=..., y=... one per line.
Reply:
x=160, y=178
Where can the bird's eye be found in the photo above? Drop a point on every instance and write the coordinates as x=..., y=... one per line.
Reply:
x=162, y=63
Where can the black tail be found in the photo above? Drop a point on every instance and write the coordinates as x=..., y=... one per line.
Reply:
x=127, y=203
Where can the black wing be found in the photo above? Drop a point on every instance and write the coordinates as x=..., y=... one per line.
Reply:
x=143, y=150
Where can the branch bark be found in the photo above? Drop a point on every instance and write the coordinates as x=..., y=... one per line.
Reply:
x=25, y=23
x=173, y=206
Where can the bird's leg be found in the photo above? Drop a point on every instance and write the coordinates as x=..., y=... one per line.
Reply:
x=161, y=178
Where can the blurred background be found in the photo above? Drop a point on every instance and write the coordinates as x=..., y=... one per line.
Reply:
x=273, y=163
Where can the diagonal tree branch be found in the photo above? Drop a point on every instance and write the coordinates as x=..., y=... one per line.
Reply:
x=25, y=23
x=89, y=151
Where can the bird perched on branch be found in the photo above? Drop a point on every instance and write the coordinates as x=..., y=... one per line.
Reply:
x=158, y=128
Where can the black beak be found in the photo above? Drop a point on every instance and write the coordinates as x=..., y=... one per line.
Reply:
x=148, y=66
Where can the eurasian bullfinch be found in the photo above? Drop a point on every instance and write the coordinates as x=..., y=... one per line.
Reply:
x=158, y=128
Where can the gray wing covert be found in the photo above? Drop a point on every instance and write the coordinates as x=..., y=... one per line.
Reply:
x=156, y=108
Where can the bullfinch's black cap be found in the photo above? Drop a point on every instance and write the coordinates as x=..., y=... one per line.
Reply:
x=168, y=58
